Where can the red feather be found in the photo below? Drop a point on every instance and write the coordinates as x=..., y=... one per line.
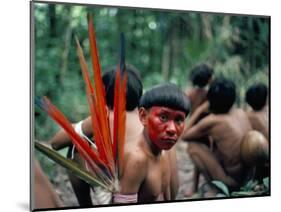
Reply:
x=107, y=160
x=102, y=121
x=92, y=104
x=82, y=146
x=119, y=118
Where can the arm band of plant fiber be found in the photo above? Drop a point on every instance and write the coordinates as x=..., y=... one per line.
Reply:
x=78, y=129
x=125, y=198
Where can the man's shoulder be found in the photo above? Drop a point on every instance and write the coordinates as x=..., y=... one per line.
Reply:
x=137, y=156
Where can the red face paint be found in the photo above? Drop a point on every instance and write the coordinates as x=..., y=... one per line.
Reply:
x=164, y=126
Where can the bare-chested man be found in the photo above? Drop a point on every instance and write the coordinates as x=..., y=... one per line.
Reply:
x=256, y=97
x=146, y=174
x=227, y=127
x=84, y=128
x=133, y=128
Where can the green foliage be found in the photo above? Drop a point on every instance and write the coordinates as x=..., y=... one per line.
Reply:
x=251, y=188
x=163, y=45
x=222, y=187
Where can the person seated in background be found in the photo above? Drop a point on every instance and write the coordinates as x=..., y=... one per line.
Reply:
x=227, y=126
x=201, y=76
x=84, y=128
x=146, y=175
x=256, y=97
x=44, y=194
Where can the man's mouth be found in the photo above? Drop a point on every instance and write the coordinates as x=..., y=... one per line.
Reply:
x=170, y=140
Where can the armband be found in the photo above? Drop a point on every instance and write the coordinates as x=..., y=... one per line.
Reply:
x=78, y=129
x=125, y=198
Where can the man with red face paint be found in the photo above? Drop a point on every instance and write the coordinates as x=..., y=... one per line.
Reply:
x=147, y=172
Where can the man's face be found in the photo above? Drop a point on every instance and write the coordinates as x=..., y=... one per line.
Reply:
x=164, y=126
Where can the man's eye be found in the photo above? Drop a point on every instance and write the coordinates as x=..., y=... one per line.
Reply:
x=179, y=120
x=163, y=118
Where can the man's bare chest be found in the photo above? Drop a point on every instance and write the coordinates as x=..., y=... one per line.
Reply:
x=157, y=180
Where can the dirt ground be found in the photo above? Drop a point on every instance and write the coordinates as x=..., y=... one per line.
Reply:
x=185, y=170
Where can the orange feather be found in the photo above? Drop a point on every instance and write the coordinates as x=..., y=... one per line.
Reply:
x=119, y=118
x=99, y=98
x=91, y=157
x=92, y=104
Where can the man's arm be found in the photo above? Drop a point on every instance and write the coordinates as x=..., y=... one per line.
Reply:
x=133, y=175
x=174, y=174
x=44, y=193
x=195, y=117
x=198, y=130
x=61, y=139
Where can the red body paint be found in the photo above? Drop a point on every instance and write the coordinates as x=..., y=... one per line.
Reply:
x=165, y=125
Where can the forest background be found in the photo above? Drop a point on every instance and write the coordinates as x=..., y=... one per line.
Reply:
x=164, y=45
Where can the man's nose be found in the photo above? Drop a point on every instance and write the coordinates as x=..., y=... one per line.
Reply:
x=171, y=128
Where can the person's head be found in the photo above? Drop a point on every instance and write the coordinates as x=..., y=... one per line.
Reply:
x=256, y=96
x=201, y=75
x=221, y=95
x=162, y=111
x=133, y=90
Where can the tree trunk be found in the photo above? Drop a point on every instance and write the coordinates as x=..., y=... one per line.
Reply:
x=67, y=43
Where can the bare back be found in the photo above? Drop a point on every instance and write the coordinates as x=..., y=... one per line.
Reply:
x=133, y=125
x=228, y=132
x=259, y=121
x=197, y=96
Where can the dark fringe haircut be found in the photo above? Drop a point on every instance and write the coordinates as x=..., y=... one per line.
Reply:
x=166, y=95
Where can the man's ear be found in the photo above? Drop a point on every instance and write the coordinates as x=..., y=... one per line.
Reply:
x=143, y=115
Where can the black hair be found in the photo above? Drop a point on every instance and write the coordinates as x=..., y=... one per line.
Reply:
x=166, y=95
x=200, y=75
x=134, y=87
x=256, y=96
x=221, y=95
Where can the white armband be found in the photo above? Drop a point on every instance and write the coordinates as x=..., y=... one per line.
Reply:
x=125, y=198
x=78, y=129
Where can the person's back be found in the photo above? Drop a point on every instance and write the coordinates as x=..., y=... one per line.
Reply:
x=133, y=124
x=197, y=96
x=228, y=132
x=256, y=97
x=226, y=126
x=84, y=128
x=259, y=121
x=200, y=77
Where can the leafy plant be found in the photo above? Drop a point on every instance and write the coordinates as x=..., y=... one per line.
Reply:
x=251, y=188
